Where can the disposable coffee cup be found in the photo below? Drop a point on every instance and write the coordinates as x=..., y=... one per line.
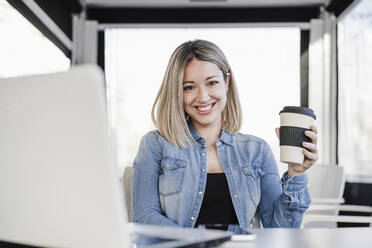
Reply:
x=294, y=121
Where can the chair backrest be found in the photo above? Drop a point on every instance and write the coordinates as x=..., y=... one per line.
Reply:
x=326, y=182
x=326, y=186
x=126, y=181
x=255, y=222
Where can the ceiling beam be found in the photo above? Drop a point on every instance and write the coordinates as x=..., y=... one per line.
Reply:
x=201, y=15
x=60, y=13
x=338, y=6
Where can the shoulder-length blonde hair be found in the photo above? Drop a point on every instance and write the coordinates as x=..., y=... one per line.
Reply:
x=168, y=113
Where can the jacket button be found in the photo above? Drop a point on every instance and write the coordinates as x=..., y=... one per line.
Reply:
x=192, y=218
x=200, y=193
x=218, y=143
x=203, y=154
x=203, y=170
x=235, y=196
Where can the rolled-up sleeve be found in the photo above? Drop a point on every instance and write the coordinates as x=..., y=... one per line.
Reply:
x=283, y=201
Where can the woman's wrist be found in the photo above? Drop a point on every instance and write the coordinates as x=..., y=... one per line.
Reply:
x=292, y=171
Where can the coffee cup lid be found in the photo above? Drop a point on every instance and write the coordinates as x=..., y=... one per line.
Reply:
x=298, y=110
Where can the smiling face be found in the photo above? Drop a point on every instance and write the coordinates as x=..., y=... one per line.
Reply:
x=204, y=93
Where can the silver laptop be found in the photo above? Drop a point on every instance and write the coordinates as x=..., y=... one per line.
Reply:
x=59, y=180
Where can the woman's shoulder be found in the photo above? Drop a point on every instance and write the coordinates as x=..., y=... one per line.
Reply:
x=248, y=138
x=155, y=143
x=152, y=136
x=252, y=148
x=151, y=143
x=155, y=138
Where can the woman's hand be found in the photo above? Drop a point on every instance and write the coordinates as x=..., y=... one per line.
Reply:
x=311, y=153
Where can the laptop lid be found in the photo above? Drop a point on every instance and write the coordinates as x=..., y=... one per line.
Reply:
x=59, y=180
x=59, y=183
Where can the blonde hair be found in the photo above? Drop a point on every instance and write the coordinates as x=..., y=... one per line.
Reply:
x=168, y=113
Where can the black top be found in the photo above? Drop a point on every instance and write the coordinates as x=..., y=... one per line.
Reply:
x=217, y=206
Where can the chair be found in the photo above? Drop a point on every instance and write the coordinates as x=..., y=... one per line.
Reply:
x=256, y=222
x=326, y=184
x=326, y=187
x=126, y=181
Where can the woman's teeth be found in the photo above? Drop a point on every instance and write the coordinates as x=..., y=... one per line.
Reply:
x=205, y=108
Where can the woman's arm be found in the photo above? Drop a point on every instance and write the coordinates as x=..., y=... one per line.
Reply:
x=145, y=204
x=283, y=201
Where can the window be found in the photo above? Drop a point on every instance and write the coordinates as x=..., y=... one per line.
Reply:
x=355, y=89
x=266, y=63
x=23, y=49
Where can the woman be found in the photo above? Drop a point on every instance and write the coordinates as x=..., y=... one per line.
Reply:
x=196, y=170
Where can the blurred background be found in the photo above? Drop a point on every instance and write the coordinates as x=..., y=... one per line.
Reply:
x=314, y=53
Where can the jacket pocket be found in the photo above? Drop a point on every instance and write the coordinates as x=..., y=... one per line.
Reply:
x=253, y=179
x=171, y=176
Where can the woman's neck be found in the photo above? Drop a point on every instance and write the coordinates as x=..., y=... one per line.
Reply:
x=209, y=133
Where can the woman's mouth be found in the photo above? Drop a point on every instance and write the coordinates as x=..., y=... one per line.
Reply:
x=205, y=109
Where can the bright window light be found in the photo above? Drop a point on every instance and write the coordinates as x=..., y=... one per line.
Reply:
x=355, y=89
x=23, y=49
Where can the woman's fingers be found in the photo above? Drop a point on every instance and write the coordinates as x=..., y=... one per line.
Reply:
x=311, y=151
x=312, y=135
x=310, y=146
x=313, y=157
x=277, y=132
x=314, y=129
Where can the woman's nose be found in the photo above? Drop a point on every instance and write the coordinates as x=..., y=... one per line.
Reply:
x=203, y=95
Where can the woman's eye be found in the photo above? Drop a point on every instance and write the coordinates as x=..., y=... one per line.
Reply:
x=188, y=87
x=213, y=82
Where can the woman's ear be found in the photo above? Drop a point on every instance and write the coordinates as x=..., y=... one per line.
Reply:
x=228, y=77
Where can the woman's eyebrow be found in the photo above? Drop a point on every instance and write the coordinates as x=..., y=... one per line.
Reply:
x=207, y=78
x=211, y=77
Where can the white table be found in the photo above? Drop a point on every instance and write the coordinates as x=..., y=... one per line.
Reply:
x=308, y=238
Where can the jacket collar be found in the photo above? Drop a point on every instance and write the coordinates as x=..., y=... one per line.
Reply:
x=225, y=137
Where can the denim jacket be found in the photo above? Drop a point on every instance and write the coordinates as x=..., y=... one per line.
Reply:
x=169, y=182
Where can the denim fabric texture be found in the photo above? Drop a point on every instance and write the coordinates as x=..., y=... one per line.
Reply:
x=169, y=182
